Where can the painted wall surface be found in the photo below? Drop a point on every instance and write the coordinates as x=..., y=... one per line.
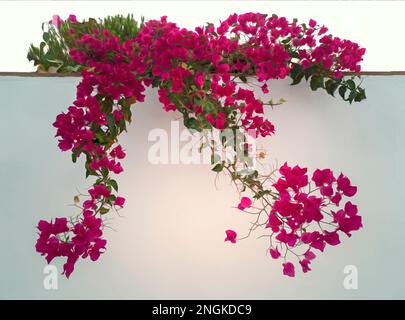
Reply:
x=376, y=25
x=169, y=241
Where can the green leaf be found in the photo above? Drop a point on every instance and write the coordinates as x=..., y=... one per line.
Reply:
x=105, y=172
x=286, y=40
x=104, y=210
x=100, y=136
x=297, y=79
x=331, y=86
x=111, y=124
x=243, y=78
x=73, y=68
x=296, y=73
x=342, y=91
x=215, y=158
x=294, y=54
x=90, y=172
x=122, y=125
x=351, y=97
x=218, y=167
x=114, y=184
x=361, y=95
x=106, y=105
x=351, y=84
x=126, y=110
x=192, y=123
x=46, y=36
x=316, y=82
x=309, y=72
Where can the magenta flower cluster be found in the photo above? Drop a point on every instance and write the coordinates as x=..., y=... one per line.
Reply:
x=71, y=240
x=308, y=214
x=197, y=73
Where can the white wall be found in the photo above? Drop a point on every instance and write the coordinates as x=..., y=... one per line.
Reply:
x=169, y=242
x=376, y=25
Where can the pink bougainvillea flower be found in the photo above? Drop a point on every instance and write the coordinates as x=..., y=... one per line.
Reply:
x=306, y=237
x=97, y=249
x=117, y=152
x=48, y=228
x=265, y=88
x=318, y=243
x=60, y=226
x=323, y=30
x=245, y=203
x=338, y=74
x=115, y=167
x=288, y=269
x=84, y=240
x=275, y=254
x=220, y=121
x=305, y=265
x=347, y=225
x=72, y=18
x=69, y=266
x=274, y=222
x=350, y=209
x=336, y=199
x=309, y=255
x=344, y=185
x=294, y=178
x=64, y=145
x=117, y=115
x=230, y=236
x=99, y=190
x=324, y=179
x=170, y=107
x=210, y=119
x=119, y=201
x=331, y=238
x=44, y=226
x=290, y=238
x=88, y=204
x=199, y=80
x=56, y=21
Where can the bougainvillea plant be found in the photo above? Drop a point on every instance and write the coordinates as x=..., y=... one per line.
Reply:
x=204, y=74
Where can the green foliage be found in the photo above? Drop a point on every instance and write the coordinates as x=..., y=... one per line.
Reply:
x=111, y=125
x=318, y=79
x=113, y=184
x=52, y=54
x=218, y=167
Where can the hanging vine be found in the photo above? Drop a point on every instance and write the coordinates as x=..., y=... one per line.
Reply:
x=203, y=74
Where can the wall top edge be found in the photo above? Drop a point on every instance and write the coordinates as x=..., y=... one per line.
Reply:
x=77, y=74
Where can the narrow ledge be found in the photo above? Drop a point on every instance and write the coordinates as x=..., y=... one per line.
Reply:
x=77, y=74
